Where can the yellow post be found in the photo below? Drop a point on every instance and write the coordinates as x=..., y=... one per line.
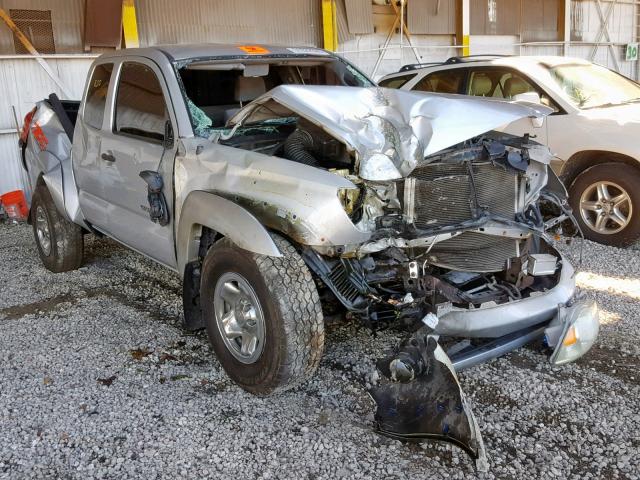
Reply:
x=466, y=28
x=129, y=24
x=329, y=27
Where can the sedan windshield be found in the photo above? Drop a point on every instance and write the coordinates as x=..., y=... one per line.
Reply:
x=589, y=86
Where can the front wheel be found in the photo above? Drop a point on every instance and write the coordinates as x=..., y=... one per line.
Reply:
x=606, y=202
x=60, y=243
x=263, y=316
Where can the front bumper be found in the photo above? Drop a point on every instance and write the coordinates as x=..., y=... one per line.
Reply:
x=500, y=320
x=571, y=334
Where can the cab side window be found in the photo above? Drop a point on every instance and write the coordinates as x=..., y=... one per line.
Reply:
x=446, y=81
x=141, y=110
x=97, y=95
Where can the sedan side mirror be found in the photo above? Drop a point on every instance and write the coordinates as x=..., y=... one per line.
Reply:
x=537, y=122
x=531, y=97
x=528, y=97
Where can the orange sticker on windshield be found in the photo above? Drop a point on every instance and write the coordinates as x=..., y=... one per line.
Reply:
x=254, y=49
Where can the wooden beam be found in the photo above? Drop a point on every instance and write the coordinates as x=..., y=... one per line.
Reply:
x=31, y=49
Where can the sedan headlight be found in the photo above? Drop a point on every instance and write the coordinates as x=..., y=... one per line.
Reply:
x=573, y=331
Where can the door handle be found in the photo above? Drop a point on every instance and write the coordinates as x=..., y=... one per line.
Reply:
x=108, y=157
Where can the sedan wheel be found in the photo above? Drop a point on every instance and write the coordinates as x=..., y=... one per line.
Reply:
x=606, y=207
x=606, y=202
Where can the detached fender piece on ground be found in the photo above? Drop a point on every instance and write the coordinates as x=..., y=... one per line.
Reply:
x=422, y=399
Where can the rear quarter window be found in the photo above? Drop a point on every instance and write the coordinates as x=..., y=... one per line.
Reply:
x=396, y=82
x=97, y=95
x=445, y=81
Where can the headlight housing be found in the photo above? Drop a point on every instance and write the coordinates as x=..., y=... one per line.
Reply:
x=573, y=331
x=349, y=199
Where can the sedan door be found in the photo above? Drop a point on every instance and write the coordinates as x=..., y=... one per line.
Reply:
x=136, y=143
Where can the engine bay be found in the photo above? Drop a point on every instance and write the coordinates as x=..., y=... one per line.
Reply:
x=460, y=231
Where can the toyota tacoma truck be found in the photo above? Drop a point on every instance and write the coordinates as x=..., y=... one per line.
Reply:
x=282, y=184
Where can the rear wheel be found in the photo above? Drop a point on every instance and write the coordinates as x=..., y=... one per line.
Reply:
x=60, y=243
x=263, y=316
x=606, y=202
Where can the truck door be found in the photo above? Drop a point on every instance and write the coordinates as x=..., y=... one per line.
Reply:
x=135, y=143
x=87, y=165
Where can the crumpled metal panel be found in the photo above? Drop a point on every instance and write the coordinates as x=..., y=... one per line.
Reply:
x=392, y=130
x=298, y=200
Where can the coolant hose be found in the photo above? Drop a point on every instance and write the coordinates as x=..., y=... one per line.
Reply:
x=298, y=147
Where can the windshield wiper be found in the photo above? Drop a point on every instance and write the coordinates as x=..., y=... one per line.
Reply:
x=603, y=105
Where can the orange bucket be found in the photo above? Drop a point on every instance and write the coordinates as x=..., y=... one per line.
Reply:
x=15, y=204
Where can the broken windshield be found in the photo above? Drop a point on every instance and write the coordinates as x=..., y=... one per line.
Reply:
x=217, y=90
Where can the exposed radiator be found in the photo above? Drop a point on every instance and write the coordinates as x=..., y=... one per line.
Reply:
x=474, y=252
x=440, y=194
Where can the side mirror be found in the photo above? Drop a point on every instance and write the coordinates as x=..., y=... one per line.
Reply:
x=158, y=209
x=537, y=122
x=528, y=97
x=167, y=142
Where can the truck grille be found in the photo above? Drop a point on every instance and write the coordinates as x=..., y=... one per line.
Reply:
x=440, y=194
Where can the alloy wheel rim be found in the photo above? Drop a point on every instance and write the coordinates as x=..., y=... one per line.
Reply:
x=239, y=317
x=43, y=232
x=606, y=208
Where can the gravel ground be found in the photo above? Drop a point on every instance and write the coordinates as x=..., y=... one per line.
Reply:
x=98, y=380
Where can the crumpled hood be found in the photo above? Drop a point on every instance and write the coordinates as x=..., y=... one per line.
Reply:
x=392, y=130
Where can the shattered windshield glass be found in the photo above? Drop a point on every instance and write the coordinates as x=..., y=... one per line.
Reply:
x=215, y=90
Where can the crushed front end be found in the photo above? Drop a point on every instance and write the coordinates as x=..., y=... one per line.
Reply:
x=459, y=248
x=412, y=209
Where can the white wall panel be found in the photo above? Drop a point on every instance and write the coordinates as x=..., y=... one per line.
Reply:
x=23, y=82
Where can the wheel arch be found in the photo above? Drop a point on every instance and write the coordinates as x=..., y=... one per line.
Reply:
x=582, y=161
x=227, y=219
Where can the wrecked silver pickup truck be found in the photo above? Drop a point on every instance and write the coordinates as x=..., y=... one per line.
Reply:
x=283, y=185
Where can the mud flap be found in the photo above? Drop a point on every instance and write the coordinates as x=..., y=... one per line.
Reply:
x=430, y=404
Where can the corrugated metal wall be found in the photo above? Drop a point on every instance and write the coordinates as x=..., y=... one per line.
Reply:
x=22, y=83
x=228, y=21
x=363, y=49
x=67, y=19
x=497, y=27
